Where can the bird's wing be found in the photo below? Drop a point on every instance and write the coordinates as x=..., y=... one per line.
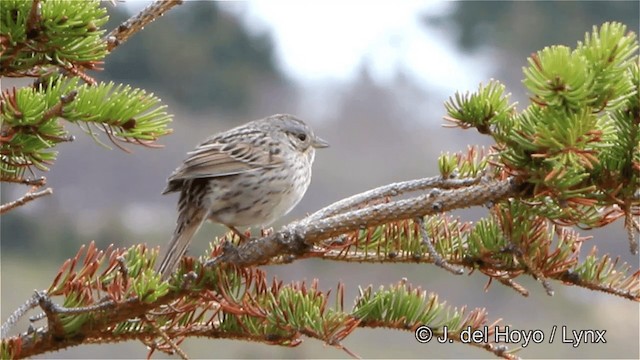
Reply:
x=214, y=159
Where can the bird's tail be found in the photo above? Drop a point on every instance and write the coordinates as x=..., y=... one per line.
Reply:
x=189, y=221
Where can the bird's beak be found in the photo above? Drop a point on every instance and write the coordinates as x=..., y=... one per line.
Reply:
x=319, y=143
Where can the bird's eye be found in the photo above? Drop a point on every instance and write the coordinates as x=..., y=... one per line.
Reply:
x=302, y=137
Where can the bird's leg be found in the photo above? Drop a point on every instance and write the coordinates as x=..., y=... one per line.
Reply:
x=243, y=237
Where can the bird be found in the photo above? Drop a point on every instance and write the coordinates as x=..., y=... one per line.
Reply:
x=250, y=175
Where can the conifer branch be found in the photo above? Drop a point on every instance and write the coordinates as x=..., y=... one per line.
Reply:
x=297, y=237
x=225, y=302
x=569, y=158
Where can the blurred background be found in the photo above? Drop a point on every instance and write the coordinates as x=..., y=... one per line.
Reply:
x=371, y=78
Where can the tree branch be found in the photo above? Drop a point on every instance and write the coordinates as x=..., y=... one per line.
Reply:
x=393, y=190
x=137, y=22
x=4, y=208
x=437, y=259
x=297, y=237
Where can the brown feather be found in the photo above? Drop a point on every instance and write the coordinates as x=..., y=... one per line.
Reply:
x=191, y=215
x=217, y=159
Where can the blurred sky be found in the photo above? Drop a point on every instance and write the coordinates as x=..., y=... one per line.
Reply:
x=385, y=35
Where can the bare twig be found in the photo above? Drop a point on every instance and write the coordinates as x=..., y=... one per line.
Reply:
x=18, y=314
x=135, y=23
x=437, y=259
x=166, y=338
x=39, y=182
x=514, y=285
x=54, y=324
x=104, y=305
x=37, y=317
x=57, y=109
x=632, y=226
x=4, y=208
x=533, y=270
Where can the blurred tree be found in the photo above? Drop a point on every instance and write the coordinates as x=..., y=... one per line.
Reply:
x=484, y=23
x=514, y=29
x=199, y=45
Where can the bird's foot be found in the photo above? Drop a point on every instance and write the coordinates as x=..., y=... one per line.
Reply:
x=243, y=237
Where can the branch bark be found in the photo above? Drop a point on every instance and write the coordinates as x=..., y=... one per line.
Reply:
x=298, y=237
x=5, y=208
x=137, y=22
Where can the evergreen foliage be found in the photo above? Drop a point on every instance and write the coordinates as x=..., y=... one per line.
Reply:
x=56, y=42
x=571, y=157
x=579, y=133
